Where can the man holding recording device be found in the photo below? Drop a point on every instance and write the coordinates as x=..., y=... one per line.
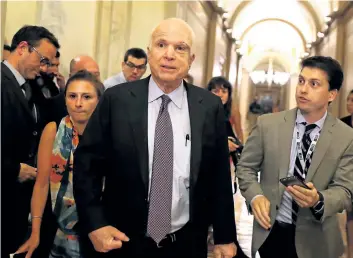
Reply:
x=305, y=159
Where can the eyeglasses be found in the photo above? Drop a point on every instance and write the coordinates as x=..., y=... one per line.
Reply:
x=133, y=66
x=43, y=60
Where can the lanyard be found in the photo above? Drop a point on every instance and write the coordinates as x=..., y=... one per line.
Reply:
x=310, y=150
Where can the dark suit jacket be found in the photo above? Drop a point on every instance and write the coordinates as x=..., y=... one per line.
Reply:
x=20, y=136
x=19, y=141
x=115, y=145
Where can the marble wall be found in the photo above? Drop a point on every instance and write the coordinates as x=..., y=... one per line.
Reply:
x=3, y=20
x=339, y=45
x=73, y=23
x=126, y=24
x=106, y=29
x=76, y=33
x=328, y=47
x=196, y=15
x=347, y=61
x=19, y=13
x=232, y=76
x=219, y=62
x=113, y=35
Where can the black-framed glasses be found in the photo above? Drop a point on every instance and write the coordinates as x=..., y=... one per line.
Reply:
x=133, y=66
x=43, y=60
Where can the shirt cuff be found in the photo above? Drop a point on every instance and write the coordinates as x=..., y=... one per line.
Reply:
x=258, y=195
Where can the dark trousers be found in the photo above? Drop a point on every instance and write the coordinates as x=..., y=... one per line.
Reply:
x=280, y=242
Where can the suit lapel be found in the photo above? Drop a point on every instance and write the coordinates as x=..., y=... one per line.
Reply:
x=15, y=87
x=321, y=147
x=197, y=118
x=138, y=116
x=285, y=144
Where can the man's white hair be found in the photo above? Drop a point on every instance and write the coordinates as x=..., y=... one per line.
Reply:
x=188, y=27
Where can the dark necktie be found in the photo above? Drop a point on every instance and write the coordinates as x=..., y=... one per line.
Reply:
x=300, y=171
x=28, y=94
x=160, y=203
x=28, y=91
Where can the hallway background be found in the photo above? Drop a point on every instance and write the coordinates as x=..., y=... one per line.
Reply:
x=257, y=44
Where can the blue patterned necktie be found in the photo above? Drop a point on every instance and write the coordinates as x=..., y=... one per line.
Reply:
x=160, y=203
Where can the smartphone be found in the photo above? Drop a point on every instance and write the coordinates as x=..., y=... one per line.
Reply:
x=293, y=180
x=234, y=140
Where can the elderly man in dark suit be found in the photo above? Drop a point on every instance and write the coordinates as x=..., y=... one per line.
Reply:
x=161, y=145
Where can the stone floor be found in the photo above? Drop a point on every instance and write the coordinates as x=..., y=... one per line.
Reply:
x=244, y=223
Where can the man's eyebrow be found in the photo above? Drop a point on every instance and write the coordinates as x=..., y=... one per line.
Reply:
x=315, y=79
x=184, y=44
x=177, y=43
x=311, y=79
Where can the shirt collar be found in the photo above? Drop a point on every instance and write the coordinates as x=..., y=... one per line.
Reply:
x=176, y=96
x=17, y=75
x=122, y=76
x=319, y=123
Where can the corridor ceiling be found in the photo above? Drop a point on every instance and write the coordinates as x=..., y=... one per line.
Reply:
x=283, y=30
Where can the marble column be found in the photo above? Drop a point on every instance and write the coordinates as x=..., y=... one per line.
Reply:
x=244, y=102
x=3, y=20
x=292, y=85
x=52, y=15
x=113, y=30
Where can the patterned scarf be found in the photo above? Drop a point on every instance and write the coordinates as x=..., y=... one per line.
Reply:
x=63, y=203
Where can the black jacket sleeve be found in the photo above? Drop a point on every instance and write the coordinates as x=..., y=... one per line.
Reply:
x=222, y=198
x=89, y=167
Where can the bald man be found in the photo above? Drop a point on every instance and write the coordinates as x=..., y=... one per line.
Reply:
x=161, y=144
x=84, y=63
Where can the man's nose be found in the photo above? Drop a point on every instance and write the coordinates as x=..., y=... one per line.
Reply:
x=170, y=52
x=304, y=87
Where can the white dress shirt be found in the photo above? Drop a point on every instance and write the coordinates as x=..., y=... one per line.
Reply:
x=21, y=81
x=17, y=75
x=285, y=209
x=114, y=80
x=179, y=114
